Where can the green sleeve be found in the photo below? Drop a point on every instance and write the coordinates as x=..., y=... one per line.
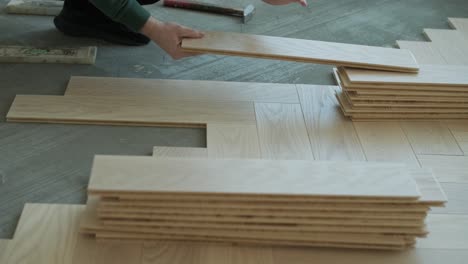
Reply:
x=127, y=12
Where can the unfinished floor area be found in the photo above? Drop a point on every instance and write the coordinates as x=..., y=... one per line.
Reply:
x=50, y=163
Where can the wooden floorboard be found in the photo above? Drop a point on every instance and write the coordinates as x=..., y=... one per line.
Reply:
x=451, y=44
x=424, y=52
x=332, y=136
x=232, y=141
x=176, y=152
x=303, y=50
x=282, y=131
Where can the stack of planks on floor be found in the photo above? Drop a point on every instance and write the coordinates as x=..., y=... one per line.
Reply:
x=438, y=91
x=264, y=202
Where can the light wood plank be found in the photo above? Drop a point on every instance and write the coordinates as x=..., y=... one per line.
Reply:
x=447, y=169
x=175, y=152
x=124, y=223
x=457, y=194
x=460, y=132
x=303, y=51
x=232, y=141
x=410, y=256
x=182, y=89
x=34, y=7
x=250, y=177
x=460, y=24
x=385, y=141
x=154, y=252
x=431, y=191
x=119, y=252
x=331, y=135
x=443, y=75
x=451, y=44
x=431, y=138
x=3, y=245
x=407, y=98
x=282, y=132
x=127, y=111
x=424, y=52
x=42, y=229
x=26, y=54
x=446, y=232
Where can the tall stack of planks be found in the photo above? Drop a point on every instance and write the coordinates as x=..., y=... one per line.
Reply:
x=435, y=92
x=263, y=202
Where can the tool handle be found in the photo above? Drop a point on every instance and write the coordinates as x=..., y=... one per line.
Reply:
x=193, y=5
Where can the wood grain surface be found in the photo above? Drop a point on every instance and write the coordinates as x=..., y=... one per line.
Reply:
x=303, y=50
x=182, y=89
x=259, y=177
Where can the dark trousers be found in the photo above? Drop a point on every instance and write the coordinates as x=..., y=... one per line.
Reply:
x=88, y=8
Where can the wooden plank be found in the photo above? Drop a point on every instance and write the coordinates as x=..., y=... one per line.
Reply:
x=349, y=109
x=282, y=132
x=447, y=169
x=127, y=111
x=147, y=213
x=457, y=194
x=446, y=232
x=431, y=192
x=460, y=24
x=451, y=44
x=460, y=132
x=175, y=152
x=303, y=51
x=433, y=138
x=42, y=229
x=304, y=206
x=3, y=245
x=119, y=252
x=409, y=256
x=232, y=141
x=182, y=89
x=433, y=75
x=68, y=55
x=331, y=135
x=395, y=147
x=34, y=7
x=247, y=177
x=389, y=104
x=424, y=52
x=408, y=92
x=407, y=98
x=154, y=252
x=265, y=227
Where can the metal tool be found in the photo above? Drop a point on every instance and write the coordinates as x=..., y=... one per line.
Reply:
x=245, y=13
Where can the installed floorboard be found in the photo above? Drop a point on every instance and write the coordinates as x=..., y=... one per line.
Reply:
x=444, y=75
x=119, y=252
x=447, y=169
x=42, y=230
x=282, y=132
x=232, y=141
x=127, y=111
x=410, y=256
x=451, y=44
x=457, y=194
x=182, y=89
x=112, y=174
x=154, y=252
x=395, y=147
x=332, y=136
x=431, y=138
x=460, y=132
x=424, y=52
x=460, y=24
x=447, y=231
x=303, y=50
x=176, y=152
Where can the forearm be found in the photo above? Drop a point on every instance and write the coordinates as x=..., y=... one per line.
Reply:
x=127, y=12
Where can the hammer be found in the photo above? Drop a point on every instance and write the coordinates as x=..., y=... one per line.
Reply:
x=246, y=13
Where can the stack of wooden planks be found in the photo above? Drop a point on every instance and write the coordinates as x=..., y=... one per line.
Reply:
x=264, y=202
x=435, y=92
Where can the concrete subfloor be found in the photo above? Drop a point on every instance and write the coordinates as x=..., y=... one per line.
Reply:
x=51, y=163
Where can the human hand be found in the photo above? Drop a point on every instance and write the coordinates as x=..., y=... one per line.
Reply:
x=285, y=2
x=169, y=36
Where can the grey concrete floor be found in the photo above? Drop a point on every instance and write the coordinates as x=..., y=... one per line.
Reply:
x=51, y=163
